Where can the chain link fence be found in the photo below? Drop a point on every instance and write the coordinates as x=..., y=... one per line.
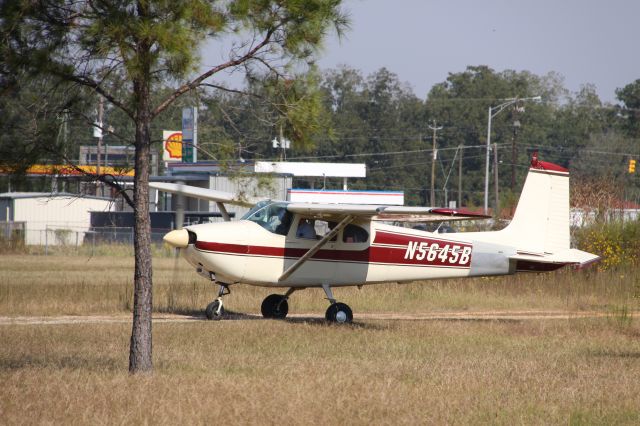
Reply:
x=16, y=236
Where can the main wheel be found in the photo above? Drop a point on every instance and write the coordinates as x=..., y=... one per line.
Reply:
x=340, y=313
x=215, y=310
x=275, y=306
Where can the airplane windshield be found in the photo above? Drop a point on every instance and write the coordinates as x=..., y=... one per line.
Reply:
x=273, y=217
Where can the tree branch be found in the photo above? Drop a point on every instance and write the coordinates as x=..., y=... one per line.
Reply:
x=88, y=82
x=198, y=80
x=226, y=89
x=107, y=179
x=111, y=181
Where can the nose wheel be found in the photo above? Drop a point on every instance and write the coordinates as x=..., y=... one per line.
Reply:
x=215, y=309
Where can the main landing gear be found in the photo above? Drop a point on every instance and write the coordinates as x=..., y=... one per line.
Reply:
x=215, y=310
x=337, y=312
x=276, y=305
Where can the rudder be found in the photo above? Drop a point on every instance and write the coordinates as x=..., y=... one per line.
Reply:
x=540, y=224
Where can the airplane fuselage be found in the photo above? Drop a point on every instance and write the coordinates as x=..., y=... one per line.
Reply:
x=244, y=251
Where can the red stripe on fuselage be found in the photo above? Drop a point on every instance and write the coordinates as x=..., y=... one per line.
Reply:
x=457, y=254
x=289, y=252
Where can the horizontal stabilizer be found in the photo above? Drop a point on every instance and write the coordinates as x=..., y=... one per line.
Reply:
x=548, y=262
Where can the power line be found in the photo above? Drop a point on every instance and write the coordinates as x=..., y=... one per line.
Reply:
x=367, y=154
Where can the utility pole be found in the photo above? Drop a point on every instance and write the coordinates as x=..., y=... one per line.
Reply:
x=514, y=152
x=65, y=141
x=283, y=152
x=495, y=177
x=493, y=111
x=434, y=156
x=461, y=148
x=99, y=147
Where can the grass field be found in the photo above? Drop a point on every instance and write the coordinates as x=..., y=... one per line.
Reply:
x=535, y=371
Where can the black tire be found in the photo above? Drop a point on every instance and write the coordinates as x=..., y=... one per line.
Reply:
x=339, y=313
x=275, y=306
x=215, y=310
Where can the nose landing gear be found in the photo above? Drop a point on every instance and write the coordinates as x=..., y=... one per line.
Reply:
x=215, y=309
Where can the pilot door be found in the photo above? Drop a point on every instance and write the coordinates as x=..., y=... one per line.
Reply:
x=304, y=234
x=352, y=247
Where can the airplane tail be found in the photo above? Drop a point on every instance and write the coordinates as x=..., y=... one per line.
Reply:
x=540, y=226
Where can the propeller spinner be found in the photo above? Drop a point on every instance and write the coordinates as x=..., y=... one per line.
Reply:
x=178, y=238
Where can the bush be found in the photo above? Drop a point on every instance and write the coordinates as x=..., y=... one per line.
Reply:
x=617, y=243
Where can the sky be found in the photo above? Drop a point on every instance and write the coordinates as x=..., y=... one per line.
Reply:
x=422, y=41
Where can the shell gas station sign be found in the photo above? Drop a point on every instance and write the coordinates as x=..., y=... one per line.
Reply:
x=171, y=146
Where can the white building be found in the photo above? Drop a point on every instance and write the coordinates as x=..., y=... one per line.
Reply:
x=51, y=218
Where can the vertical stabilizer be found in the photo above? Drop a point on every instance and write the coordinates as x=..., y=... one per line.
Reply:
x=541, y=221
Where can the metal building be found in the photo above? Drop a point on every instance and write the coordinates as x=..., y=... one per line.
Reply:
x=51, y=218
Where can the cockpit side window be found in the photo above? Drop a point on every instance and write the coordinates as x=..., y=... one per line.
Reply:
x=257, y=212
x=306, y=229
x=274, y=217
x=285, y=218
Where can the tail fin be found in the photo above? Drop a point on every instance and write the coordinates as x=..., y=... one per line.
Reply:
x=541, y=221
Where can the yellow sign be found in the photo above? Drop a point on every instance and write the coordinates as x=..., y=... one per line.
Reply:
x=172, y=145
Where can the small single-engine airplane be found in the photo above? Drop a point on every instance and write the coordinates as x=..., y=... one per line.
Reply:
x=302, y=245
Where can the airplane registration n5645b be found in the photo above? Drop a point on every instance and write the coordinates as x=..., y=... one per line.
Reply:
x=301, y=245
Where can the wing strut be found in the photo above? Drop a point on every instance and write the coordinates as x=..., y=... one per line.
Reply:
x=223, y=211
x=313, y=250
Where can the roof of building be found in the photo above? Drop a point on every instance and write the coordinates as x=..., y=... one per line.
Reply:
x=22, y=195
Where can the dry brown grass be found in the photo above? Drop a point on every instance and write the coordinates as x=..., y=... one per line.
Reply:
x=578, y=371
x=56, y=285
x=276, y=372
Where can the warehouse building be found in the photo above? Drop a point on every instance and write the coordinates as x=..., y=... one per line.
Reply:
x=50, y=218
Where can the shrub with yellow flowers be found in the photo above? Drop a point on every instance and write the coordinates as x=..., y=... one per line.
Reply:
x=617, y=243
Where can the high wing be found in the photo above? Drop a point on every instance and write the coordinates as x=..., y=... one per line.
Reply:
x=313, y=209
x=371, y=212
x=385, y=213
x=206, y=194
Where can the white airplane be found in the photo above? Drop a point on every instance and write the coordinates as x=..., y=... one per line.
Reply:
x=303, y=245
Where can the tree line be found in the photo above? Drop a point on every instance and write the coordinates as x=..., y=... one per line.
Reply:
x=341, y=115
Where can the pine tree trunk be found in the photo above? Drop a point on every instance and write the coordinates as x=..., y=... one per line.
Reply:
x=140, y=352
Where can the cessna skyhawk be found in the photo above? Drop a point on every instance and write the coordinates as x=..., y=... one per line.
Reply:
x=301, y=245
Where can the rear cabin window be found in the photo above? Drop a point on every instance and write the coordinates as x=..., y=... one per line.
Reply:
x=354, y=234
x=314, y=229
